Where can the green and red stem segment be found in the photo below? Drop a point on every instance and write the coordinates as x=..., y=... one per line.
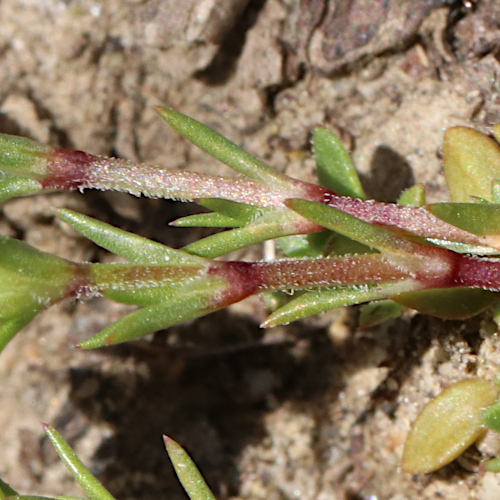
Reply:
x=235, y=280
x=71, y=170
x=64, y=169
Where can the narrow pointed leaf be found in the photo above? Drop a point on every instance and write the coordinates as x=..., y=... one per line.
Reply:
x=373, y=236
x=225, y=214
x=223, y=149
x=464, y=247
x=335, y=168
x=94, y=489
x=239, y=211
x=312, y=303
x=18, y=186
x=129, y=245
x=271, y=225
x=206, y=220
x=191, y=304
x=187, y=472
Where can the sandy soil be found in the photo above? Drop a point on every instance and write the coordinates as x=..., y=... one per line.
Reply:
x=316, y=410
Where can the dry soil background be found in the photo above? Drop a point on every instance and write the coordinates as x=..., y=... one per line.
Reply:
x=317, y=410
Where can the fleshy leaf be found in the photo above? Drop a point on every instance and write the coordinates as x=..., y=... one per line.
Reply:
x=94, y=489
x=187, y=472
x=335, y=168
x=471, y=164
x=448, y=425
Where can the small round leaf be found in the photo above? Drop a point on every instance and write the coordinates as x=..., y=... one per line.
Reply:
x=471, y=164
x=448, y=425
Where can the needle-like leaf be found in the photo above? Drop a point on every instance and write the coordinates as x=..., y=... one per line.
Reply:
x=187, y=472
x=94, y=489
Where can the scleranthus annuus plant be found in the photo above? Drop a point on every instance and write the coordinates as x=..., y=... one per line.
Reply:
x=339, y=248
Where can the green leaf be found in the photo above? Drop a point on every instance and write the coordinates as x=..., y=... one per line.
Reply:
x=464, y=247
x=225, y=214
x=31, y=264
x=491, y=417
x=316, y=302
x=493, y=465
x=94, y=489
x=271, y=225
x=18, y=186
x=21, y=157
x=475, y=218
x=195, y=300
x=128, y=245
x=368, y=234
x=212, y=219
x=379, y=311
x=342, y=245
x=304, y=245
x=224, y=150
x=29, y=497
x=187, y=472
x=448, y=425
x=9, y=328
x=335, y=168
x=413, y=196
x=241, y=212
x=6, y=490
x=495, y=191
x=449, y=303
x=471, y=164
